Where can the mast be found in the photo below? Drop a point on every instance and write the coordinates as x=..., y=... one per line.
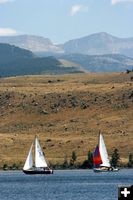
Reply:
x=99, y=138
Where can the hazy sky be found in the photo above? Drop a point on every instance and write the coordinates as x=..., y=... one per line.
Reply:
x=62, y=20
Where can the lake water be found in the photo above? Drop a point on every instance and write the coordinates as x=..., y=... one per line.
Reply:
x=63, y=185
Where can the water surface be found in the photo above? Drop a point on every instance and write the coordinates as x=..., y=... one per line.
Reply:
x=63, y=185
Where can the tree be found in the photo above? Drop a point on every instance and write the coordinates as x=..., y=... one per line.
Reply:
x=5, y=167
x=130, y=160
x=65, y=163
x=115, y=158
x=73, y=158
x=90, y=159
x=89, y=162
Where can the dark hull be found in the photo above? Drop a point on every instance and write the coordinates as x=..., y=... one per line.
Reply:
x=33, y=172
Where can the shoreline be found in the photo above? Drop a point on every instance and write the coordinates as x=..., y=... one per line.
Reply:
x=67, y=169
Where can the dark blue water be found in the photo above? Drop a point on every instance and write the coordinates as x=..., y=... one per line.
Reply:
x=63, y=185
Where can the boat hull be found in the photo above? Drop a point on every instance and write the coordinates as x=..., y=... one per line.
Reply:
x=105, y=170
x=33, y=172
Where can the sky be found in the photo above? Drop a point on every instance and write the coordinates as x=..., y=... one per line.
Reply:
x=63, y=20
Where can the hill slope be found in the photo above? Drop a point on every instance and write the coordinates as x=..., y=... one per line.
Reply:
x=15, y=61
x=9, y=53
x=101, y=63
x=66, y=112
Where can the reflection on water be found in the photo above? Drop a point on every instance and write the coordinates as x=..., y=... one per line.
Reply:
x=63, y=185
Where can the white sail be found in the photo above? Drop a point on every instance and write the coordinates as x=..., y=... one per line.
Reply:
x=29, y=161
x=103, y=152
x=39, y=157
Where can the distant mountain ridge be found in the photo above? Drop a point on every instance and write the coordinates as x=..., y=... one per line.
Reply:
x=9, y=53
x=94, y=53
x=31, y=42
x=101, y=63
x=15, y=61
x=94, y=44
x=99, y=44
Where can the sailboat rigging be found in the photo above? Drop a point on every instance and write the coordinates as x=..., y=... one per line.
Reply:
x=41, y=166
x=100, y=158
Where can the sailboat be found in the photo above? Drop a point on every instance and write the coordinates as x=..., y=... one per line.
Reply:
x=40, y=166
x=100, y=158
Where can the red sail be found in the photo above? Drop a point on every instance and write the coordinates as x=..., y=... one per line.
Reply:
x=97, y=157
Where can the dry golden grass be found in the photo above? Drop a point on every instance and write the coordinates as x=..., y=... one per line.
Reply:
x=66, y=112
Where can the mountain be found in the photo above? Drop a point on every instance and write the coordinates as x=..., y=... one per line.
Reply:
x=101, y=63
x=15, y=61
x=32, y=43
x=100, y=52
x=10, y=53
x=95, y=44
x=100, y=43
x=35, y=66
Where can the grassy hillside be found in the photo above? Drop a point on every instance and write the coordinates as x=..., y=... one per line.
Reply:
x=66, y=112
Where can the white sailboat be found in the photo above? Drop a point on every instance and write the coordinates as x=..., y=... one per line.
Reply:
x=101, y=159
x=41, y=166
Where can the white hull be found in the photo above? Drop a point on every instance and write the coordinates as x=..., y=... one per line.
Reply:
x=105, y=169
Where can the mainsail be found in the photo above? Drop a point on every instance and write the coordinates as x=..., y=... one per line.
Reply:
x=29, y=160
x=39, y=157
x=103, y=152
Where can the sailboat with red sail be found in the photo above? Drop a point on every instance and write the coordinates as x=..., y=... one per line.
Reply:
x=100, y=158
